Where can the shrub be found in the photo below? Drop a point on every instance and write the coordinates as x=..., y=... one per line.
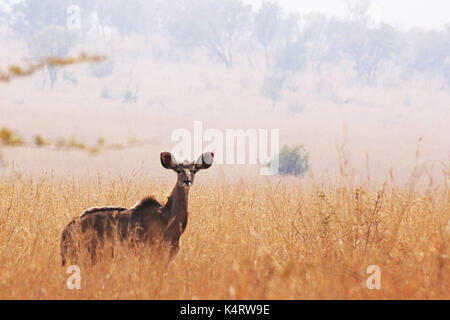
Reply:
x=40, y=141
x=130, y=95
x=10, y=138
x=70, y=77
x=101, y=70
x=272, y=87
x=106, y=94
x=293, y=160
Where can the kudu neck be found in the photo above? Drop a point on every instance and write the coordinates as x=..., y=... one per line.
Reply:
x=177, y=204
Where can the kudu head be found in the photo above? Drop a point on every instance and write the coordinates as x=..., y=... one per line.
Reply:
x=186, y=170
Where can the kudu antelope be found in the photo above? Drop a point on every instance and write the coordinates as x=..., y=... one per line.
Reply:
x=148, y=223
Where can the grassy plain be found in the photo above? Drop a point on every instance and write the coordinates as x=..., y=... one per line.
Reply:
x=268, y=239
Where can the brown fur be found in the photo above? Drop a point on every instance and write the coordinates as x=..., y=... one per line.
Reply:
x=142, y=224
x=147, y=223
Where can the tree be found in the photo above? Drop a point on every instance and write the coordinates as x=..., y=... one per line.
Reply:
x=369, y=48
x=291, y=53
x=358, y=10
x=209, y=24
x=292, y=56
x=320, y=33
x=272, y=87
x=127, y=18
x=52, y=41
x=366, y=47
x=29, y=16
x=42, y=24
x=430, y=53
x=266, y=26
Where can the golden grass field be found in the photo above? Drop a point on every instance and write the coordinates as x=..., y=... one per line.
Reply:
x=268, y=239
x=248, y=237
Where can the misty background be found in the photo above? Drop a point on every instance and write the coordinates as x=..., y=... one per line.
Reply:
x=346, y=85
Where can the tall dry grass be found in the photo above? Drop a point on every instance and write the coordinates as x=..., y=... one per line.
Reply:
x=272, y=239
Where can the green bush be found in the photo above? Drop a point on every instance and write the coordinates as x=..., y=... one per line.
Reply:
x=293, y=160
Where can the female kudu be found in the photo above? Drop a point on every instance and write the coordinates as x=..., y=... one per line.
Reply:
x=147, y=223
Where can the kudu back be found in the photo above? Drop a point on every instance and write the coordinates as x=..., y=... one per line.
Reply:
x=147, y=224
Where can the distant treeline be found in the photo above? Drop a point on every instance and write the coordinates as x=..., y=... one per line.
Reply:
x=226, y=27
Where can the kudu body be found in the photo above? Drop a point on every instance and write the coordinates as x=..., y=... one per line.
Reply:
x=148, y=223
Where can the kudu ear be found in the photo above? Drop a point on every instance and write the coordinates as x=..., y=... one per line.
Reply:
x=204, y=161
x=168, y=161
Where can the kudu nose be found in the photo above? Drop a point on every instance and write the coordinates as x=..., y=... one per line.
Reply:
x=187, y=183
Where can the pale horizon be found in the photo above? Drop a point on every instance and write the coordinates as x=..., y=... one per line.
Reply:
x=428, y=15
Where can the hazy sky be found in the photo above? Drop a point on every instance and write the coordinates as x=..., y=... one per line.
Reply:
x=403, y=14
